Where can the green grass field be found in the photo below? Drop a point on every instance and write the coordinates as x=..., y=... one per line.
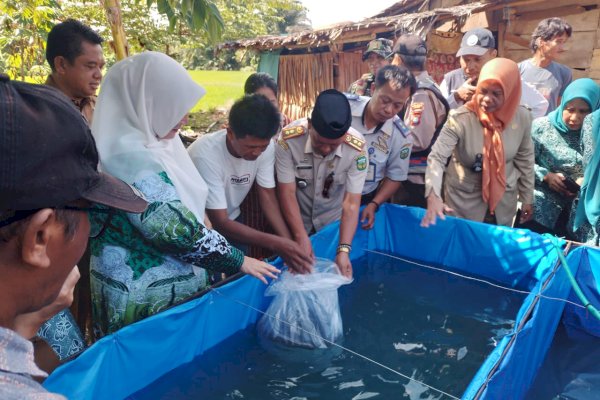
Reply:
x=222, y=88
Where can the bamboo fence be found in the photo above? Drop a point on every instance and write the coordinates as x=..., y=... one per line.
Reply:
x=301, y=79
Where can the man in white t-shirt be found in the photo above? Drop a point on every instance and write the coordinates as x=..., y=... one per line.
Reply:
x=229, y=161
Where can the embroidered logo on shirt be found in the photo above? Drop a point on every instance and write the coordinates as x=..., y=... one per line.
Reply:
x=240, y=180
x=381, y=143
x=405, y=151
x=361, y=163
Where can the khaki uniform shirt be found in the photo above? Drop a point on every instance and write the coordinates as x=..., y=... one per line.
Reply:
x=85, y=106
x=424, y=113
x=295, y=161
x=462, y=139
x=388, y=145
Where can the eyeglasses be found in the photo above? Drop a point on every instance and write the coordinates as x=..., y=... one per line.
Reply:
x=327, y=185
x=99, y=217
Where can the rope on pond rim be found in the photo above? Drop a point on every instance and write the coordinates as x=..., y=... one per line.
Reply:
x=539, y=294
x=336, y=344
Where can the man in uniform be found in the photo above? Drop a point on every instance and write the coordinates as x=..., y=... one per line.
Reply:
x=425, y=114
x=74, y=53
x=478, y=46
x=321, y=168
x=230, y=161
x=377, y=54
x=387, y=137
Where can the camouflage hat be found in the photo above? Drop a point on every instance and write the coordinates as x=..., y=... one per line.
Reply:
x=381, y=46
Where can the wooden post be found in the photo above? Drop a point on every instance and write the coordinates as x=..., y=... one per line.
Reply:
x=113, y=14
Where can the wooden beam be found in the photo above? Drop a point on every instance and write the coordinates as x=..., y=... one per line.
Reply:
x=516, y=39
x=553, y=12
x=501, y=39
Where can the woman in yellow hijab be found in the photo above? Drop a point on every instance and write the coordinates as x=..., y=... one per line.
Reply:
x=488, y=141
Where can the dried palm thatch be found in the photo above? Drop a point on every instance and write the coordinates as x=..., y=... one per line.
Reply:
x=418, y=23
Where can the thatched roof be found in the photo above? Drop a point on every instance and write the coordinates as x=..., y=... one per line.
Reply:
x=407, y=22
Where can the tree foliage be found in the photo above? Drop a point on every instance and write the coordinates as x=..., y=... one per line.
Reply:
x=24, y=26
x=168, y=26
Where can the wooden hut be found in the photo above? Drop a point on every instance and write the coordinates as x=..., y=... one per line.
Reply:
x=308, y=62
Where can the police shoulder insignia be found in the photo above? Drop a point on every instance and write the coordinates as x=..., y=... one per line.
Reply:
x=404, y=130
x=354, y=142
x=361, y=162
x=292, y=132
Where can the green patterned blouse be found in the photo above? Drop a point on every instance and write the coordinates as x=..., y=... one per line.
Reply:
x=554, y=152
x=143, y=263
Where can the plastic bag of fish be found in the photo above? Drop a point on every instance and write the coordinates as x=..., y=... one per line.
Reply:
x=305, y=310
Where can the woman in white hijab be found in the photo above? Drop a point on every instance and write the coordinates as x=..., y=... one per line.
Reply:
x=141, y=264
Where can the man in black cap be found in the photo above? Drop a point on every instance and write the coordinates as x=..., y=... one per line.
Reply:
x=321, y=168
x=425, y=115
x=478, y=46
x=49, y=183
x=376, y=56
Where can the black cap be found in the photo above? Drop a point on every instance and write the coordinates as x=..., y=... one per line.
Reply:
x=48, y=157
x=331, y=115
x=476, y=42
x=410, y=45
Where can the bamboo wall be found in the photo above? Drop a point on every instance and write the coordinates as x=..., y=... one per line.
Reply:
x=350, y=67
x=303, y=77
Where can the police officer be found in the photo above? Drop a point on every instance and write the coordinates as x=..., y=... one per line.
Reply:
x=387, y=138
x=321, y=168
x=377, y=56
x=425, y=115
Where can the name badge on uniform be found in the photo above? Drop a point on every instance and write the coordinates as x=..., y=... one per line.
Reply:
x=372, y=172
x=303, y=166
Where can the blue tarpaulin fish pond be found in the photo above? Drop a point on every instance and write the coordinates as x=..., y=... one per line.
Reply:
x=124, y=363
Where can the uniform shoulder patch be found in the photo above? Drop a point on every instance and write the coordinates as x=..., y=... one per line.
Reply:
x=292, y=132
x=354, y=142
x=401, y=126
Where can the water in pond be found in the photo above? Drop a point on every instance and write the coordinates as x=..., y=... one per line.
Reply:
x=571, y=369
x=429, y=325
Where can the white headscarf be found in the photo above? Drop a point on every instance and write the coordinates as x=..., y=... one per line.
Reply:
x=142, y=99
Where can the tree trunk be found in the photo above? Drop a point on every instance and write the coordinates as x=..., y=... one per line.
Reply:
x=113, y=14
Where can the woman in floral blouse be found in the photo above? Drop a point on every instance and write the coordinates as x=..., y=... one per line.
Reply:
x=143, y=263
x=558, y=156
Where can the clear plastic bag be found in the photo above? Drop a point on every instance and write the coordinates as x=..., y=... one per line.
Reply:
x=305, y=311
